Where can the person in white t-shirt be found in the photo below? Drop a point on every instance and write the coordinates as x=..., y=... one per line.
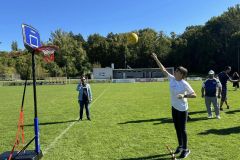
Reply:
x=180, y=90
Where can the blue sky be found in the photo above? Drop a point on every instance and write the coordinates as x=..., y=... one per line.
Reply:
x=103, y=16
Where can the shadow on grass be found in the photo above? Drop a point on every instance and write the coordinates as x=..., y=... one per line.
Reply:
x=225, y=131
x=197, y=112
x=161, y=120
x=192, y=119
x=49, y=123
x=153, y=157
x=233, y=111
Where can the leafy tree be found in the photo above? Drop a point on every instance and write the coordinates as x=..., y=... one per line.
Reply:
x=97, y=49
x=53, y=69
x=71, y=56
x=7, y=64
x=14, y=46
x=23, y=63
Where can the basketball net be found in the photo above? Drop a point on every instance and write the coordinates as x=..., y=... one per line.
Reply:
x=48, y=52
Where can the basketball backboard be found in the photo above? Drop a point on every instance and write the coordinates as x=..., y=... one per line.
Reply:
x=31, y=37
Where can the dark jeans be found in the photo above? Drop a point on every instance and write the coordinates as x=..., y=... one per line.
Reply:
x=180, y=120
x=224, y=94
x=82, y=105
x=236, y=84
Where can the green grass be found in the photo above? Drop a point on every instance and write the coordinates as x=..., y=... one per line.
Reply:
x=129, y=122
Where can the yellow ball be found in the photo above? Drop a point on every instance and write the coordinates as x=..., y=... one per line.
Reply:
x=132, y=38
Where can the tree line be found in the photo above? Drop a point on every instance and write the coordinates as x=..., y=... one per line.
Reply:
x=199, y=48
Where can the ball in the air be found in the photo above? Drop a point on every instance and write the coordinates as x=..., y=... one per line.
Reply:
x=132, y=38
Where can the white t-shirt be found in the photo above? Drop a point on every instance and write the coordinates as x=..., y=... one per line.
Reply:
x=179, y=87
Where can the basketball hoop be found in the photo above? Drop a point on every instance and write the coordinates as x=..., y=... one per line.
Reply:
x=48, y=52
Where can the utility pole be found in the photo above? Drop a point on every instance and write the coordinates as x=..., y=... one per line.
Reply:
x=125, y=61
x=238, y=58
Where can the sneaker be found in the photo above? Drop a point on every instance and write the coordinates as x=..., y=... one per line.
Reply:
x=80, y=119
x=218, y=117
x=210, y=116
x=184, y=153
x=89, y=119
x=178, y=150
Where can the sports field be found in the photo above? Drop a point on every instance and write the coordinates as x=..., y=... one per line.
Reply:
x=129, y=122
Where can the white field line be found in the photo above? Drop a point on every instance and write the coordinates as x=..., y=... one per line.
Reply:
x=65, y=131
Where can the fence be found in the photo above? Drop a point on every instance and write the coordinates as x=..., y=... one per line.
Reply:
x=46, y=81
x=64, y=80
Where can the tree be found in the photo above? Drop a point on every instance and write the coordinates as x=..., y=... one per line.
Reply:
x=150, y=41
x=14, y=46
x=53, y=69
x=23, y=63
x=7, y=64
x=97, y=50
x=71, y=56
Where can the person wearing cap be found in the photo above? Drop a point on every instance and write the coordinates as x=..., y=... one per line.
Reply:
x=224, y=77
x=84, y=97
x=209, y=91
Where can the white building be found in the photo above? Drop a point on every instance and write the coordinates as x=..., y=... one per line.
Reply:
x=102, y=73
x=110, y=73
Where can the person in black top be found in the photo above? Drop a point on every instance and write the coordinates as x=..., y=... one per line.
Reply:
x=224, y=77
x=84, y=97
x=235, y=77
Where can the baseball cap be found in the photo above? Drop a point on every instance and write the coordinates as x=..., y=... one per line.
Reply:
x=211, y=72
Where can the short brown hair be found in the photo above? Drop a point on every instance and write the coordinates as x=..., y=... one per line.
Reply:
x=182, y=70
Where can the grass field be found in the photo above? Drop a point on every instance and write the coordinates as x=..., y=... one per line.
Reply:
x=129, y=122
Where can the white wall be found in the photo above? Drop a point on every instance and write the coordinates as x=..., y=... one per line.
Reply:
x=102, y=73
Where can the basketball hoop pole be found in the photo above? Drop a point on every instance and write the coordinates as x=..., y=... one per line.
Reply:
x=36, y=127
x=31, y=39
x=28, y=154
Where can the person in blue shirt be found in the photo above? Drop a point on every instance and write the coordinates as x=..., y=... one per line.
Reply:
x=84, y=97
x=209, y=91
x=224, y=77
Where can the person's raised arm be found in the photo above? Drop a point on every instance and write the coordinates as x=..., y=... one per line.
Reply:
x=231, y=80
x=162, y=68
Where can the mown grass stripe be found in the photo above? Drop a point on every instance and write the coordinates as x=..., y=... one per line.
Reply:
x=45, y=151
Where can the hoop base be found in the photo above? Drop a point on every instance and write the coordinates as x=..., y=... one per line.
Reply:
x=26, y=155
